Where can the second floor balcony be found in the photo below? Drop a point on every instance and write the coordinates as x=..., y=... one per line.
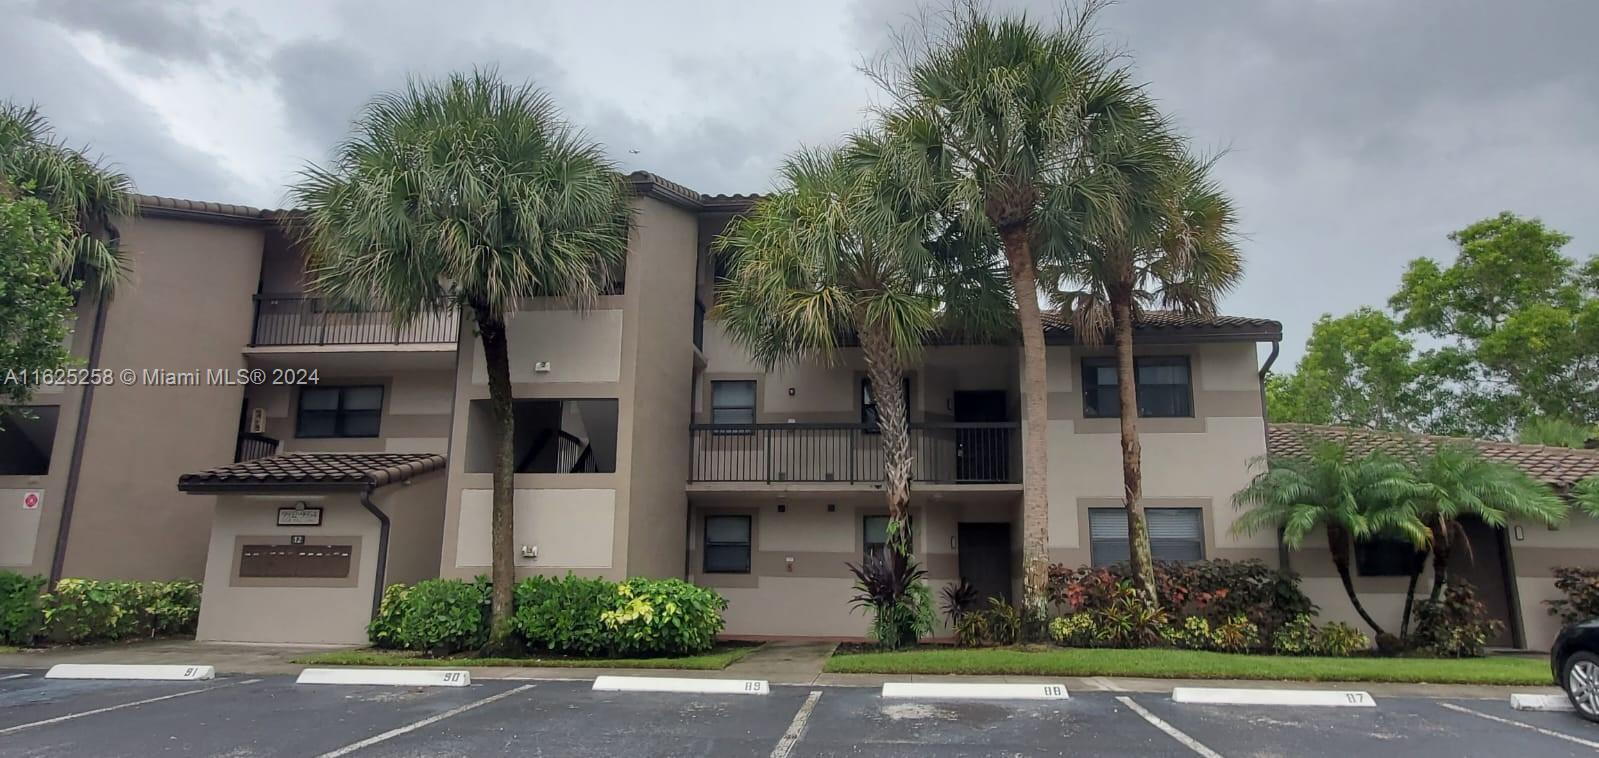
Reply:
x=944, y=453
x=301, y=320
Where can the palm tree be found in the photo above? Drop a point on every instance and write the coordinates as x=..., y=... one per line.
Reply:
x=1352, y=498
x=85, y=195
x=1003, y=113
x=1173, y=248
x=1455, y=481
x=1555, y=432
x=470, y=193
x=838, y=250
x=1586, y=496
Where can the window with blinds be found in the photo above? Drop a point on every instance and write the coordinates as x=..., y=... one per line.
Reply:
x=1175, y=534
x=727, y=544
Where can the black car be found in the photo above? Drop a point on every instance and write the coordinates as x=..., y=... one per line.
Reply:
x=1575, y=657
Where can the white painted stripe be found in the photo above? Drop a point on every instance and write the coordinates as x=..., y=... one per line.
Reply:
x=1317, y=698
x=130, y=671
x=1526, y=702
x=397, y=677
x=109, y=708
x=408, y=728
x=796, y=727
x=1171, y=731
x=670, y=684
x=1513, y=722
x=12, y=676
x=974, y=691
x=1106, y=684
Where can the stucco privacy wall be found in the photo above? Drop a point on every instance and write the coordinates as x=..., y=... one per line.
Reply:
x=1187, y=462
x=1576, y=543
x=186, y=306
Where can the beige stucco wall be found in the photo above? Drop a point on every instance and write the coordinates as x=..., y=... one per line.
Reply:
x=416, y=411
x=186, y=306
x=580, y=347
x=570, y=528
x=289, y=613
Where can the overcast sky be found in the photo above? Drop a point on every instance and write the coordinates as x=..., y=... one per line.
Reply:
x=1358, y=133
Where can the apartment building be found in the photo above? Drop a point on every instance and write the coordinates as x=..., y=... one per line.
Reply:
x=647, y=443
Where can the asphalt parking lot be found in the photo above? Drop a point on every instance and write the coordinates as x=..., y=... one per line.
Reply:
x=272, y=716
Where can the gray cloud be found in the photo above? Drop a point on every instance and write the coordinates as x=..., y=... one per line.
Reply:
x=154, y=34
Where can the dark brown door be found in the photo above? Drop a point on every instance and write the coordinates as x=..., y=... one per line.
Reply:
x=985, y=559
x=981, y=454
x=1484, y=566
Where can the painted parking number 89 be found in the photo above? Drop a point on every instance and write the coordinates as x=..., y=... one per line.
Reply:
x=753, y=686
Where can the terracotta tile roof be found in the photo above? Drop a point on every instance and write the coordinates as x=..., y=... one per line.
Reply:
x=1058, y=327
x=1559, y=467
x=319, y=470
x=155, y=205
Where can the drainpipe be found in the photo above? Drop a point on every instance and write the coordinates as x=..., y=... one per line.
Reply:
x=1265, y=423
x=97, y=338
x=383, y=545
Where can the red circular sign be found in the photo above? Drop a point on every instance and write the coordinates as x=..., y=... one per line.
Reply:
x=30, y=500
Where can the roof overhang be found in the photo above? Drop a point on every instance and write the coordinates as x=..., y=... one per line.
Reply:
x=312, y=473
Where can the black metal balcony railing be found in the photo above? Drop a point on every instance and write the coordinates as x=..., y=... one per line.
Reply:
x=301, y=320
x=960, y=453
x=253, y=446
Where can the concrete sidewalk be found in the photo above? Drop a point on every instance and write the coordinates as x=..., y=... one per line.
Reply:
x=779, y=662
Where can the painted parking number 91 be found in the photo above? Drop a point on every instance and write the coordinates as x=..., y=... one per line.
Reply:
x=190, y=672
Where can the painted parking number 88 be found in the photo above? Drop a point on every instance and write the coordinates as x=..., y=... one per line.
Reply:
x=1054, y=691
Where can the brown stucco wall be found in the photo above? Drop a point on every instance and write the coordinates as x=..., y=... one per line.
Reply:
x=186, y=306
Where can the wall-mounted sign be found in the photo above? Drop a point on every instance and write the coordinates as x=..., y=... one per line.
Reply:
x=31, y=500
x=299, y=515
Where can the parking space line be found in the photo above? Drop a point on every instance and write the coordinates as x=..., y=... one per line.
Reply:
x=12, y=676
x=1105, y=684
x=109, y=708
x=1171, y=731
x=796, y=727
x=408, y=728
x=1513, y=722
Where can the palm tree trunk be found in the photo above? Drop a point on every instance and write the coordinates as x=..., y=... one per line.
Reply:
x=1441, y=552
x=1338, y=544
x=1035, y=428
x=1138, y=552
x=1410, y=601
x=502, y=524
x=894, y=434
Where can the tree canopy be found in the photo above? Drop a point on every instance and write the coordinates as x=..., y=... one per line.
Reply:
x=33, y=300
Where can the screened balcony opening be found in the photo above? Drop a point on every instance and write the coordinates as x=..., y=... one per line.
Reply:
x=27, y=435
x=551, y=437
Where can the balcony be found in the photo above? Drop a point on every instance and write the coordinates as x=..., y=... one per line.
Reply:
x=252, y=446
x=298, y=320
x=945, y=453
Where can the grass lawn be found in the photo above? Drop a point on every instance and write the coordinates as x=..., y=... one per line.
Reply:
x=7, y=649
x=1193, y=664
x=718, y=658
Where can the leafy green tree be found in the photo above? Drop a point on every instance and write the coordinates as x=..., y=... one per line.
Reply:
x=474, y=194
x=1353, y=498
x=1555, y=432
x=1173, y=248
x=1360, y=370
x=1520, y=315
x=84, y=195
x=1455, y=482
x=1002, y=113
x=838, y=249
x=34, y=302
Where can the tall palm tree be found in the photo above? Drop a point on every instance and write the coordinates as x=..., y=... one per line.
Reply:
x=1173, y=248
x=86, y=195
x=1351, y=498
x=468, y=193
x=1455, y=482
x=1586, y=496
x=1002, y=113
x=838, y=249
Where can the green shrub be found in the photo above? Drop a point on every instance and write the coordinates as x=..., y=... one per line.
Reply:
x=1129, y=620
x=82, y=611
x=1237, y=635
x=1456, y=626
x=1339, y=640
x=1581, y=589
x=444, y=616
x=894, y=595
x=998, y=624
x=174, y=607
x=1073, y=630
x=1216, y=590
x=384, y=631
x=1194, y=633
x=21, y=609
x=1297, y=637
x=563, y=615
x=673, y=617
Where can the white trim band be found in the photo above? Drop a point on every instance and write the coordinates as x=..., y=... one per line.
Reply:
x=397, y=677
x=673, y=684
x=974, y=691
x=1316, y=698
x=130, y=671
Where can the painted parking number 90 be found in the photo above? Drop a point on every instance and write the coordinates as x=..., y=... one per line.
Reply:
x=452, y=676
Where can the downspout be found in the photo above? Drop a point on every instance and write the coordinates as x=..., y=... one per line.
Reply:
x=1265, y=423
x=97, y=338
x=383, y=546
